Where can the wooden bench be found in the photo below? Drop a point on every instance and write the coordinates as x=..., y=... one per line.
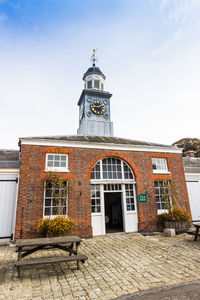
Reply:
x=69, y=244
x=196, y=231
x=50, y=260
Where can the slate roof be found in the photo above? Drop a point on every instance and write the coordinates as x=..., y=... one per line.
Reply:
x=99, y=139
x=191, y=164
x=94, y=70
x=9, y=159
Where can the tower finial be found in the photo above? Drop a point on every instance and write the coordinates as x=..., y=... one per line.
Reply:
x=94, y=57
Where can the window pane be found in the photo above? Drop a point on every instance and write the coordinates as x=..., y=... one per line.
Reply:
x=50, y=164
x=47, y=202
x=47, y=211
x=98, y=175
x=89, y=84
x=48, y=184
x=96, y=84
x=56, y=164
x=55, y=211
x=48, y=193
x=105, y=175
x=50, y=157
x=55, y=202
x=98, y=194
x=63, y=158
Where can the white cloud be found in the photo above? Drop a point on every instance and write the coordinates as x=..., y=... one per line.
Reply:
x=178, y=10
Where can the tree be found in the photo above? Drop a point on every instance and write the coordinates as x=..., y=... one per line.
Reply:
x=189, y=144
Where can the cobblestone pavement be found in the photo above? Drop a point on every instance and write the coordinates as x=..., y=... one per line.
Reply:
x=118, y=264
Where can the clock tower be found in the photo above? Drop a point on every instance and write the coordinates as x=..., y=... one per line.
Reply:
x=94, y=104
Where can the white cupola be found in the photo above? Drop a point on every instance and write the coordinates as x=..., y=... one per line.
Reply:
x=94, y=78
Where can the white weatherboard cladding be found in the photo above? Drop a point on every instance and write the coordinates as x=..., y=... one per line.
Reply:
x=193, y=186
x=8, y=199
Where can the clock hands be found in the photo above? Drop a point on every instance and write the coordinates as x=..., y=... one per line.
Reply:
x=97, y=107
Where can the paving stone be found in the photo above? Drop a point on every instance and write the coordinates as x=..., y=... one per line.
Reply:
x=118, y=264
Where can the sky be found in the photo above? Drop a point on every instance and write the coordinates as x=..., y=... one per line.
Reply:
x=149, y=51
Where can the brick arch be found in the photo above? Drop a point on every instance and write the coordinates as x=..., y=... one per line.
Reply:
x=117, y=155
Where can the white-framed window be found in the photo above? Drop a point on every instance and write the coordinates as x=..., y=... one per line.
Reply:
x=57, y=162
x=96, y=84
x=159, y=165
x=130, y=199
x=55, y=199
x=162, y=188
x=95, y=198
x=112, y=187
x=112, y=168
x=89, y=84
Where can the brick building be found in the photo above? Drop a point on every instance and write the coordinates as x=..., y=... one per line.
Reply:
x=114, y=184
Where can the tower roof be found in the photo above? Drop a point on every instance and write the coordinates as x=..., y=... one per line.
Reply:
x=94, y=70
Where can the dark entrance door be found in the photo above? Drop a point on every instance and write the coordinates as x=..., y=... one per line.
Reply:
x=113, y=212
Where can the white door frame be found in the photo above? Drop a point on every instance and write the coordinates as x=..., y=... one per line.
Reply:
x=126, y=215
x=122, y=207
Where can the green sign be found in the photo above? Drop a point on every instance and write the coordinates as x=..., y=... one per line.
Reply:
x=142, y=198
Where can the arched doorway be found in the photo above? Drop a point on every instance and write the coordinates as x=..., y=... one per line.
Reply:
x=113, y=197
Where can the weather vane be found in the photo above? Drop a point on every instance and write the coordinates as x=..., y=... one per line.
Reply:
x=94, y=57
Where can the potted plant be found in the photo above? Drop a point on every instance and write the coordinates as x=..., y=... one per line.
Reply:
x=175, y=218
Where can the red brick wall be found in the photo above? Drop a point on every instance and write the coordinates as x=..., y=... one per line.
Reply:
x=81, y=162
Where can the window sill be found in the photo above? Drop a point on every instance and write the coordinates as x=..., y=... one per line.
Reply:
x=162, y=211
x=61, y=170
x=160, y=172
x=53, y=216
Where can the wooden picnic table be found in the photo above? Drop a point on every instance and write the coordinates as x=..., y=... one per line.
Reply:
x=195, y=232
x=69, y=244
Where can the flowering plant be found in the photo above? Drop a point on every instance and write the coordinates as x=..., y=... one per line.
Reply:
x=43, y=226
x=57, y=225
x=174, y=215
